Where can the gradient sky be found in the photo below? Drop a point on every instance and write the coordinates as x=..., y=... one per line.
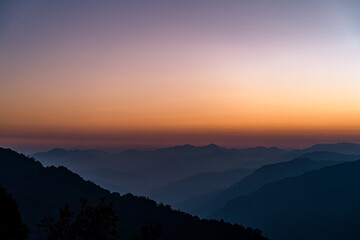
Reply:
x=143, y=74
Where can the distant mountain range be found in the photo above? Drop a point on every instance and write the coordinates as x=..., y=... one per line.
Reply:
x=320, y=204
x=161, y=166
x=42, y=191
x=344, y=148
x=204, y=205
x=300, y=194
x=177, y=174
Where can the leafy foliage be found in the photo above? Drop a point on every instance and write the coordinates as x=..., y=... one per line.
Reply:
x=11, y=224
x=150, y=232
x=91, y=223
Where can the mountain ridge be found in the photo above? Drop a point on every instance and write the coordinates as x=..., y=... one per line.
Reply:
x=41, y=191
x=261, y=176
x=319, y=204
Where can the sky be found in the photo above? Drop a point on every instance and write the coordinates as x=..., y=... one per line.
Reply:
x=147, y=74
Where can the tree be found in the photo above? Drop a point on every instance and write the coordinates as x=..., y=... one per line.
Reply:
x=11, y=224
x=150, y=232
x=91, y=223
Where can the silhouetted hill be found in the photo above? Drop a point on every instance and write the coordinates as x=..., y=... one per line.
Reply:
x=204, y=206
x=344, y=148
x=190, y=150
x=322, y=204
x=12, y=226
x=200, y=183
x=332, y=156
x=75, y=160
x=142, y=171
x=42, y=191
x=161, y=166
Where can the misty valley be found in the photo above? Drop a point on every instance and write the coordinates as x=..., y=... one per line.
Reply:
x=186, y=192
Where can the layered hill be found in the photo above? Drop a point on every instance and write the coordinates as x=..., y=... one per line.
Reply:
x=204, y=205
x=161, y=166
x=41, y=191
x=321, y=204
x=201, y=183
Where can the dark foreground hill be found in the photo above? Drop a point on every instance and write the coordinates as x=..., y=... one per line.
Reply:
x=204, y=205
x=42, y=191
x=321, y=204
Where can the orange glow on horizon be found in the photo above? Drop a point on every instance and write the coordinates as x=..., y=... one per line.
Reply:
x=140, y=75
